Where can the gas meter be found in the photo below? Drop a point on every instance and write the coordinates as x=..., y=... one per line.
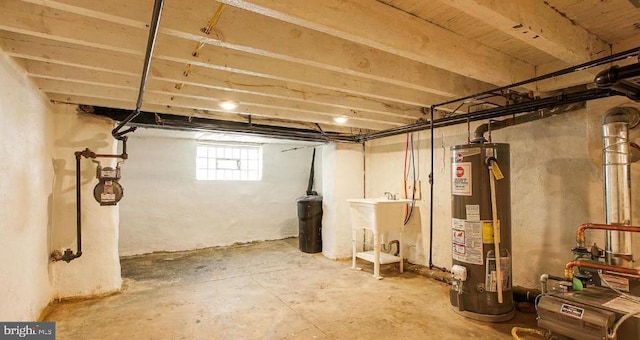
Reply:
x=108, y=191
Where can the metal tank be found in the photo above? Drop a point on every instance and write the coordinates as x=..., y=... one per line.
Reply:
x=617, y=183
x=475, y=290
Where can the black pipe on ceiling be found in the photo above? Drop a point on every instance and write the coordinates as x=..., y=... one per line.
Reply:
x=533, y=105
x=184, y=123
x=581, y=67
x=151, y=41
x=616, y=78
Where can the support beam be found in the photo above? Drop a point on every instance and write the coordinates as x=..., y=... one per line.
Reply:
x=68, y=28
x=79, y=77
x=537, y=24
x=260, y=35
x=205, y=78
x=128, y=94
x=377, y=25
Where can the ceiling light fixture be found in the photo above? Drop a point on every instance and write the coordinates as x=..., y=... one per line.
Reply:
x=228, y=105
x=340, y=119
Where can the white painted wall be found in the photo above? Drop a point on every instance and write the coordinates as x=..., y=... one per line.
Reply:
x=556, y=183
x=97, y=271
x=26, y=127
x=166, y=209
x=342, y=179
x=37, y=201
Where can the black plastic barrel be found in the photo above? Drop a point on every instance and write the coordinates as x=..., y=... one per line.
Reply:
x=310, y=223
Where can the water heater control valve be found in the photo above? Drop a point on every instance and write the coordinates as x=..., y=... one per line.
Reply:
x=459, y=273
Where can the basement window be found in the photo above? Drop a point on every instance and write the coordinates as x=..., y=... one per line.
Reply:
x=219, y=162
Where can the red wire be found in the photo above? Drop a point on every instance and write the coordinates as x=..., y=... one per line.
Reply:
x=404, y=175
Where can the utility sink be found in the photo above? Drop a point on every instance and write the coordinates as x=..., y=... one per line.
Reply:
x=378, y=214
x=381, y=216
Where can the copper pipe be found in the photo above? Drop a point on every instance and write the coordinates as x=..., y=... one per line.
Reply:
x=580, y=238
x=568, y=269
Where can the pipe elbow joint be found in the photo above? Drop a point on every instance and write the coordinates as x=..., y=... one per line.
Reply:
x=607, y=77
x=621, y=114
x=69, y=256
x=568, y=270
x=544, y=278
x=543, y=283
x=478, y=134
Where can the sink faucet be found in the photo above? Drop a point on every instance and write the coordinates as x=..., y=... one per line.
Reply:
x=390, y=196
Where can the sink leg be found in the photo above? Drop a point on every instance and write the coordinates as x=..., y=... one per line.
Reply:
x=353, y=249
x=376, y=256
x=400, y=253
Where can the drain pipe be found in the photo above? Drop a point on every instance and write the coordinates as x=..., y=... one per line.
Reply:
x=617, y=181
x=153, y=33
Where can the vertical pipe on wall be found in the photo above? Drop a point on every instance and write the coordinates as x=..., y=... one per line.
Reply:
x=431, y=193
x=78, y=210
x=617, y=178
x=364, y=169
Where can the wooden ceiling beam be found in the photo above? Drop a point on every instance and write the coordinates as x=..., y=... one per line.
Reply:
x=68, y=28
x=374, y=24
x=179, y=50
x=537, y=24
x=238, y=82
x=257, y=34
x=88, y=76
x=224, y=81
x=164, y=99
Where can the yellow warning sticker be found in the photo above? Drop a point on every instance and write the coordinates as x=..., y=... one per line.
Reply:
x=496, y=171
x=487, y=231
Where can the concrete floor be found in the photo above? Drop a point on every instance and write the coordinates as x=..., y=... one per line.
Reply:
x=268, y=290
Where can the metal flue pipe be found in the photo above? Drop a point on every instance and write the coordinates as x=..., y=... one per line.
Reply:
x=617, y=183
x=153, y=33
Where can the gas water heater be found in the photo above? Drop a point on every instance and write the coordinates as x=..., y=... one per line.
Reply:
x=480, y=224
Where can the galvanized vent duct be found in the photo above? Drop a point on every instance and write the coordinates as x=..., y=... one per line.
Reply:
x=617, y=177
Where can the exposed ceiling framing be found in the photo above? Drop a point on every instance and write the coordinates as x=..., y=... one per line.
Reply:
x=298, y=64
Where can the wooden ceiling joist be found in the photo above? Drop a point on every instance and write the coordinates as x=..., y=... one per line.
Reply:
x=301, y=63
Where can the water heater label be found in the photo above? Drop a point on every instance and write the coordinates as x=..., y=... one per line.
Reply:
x=487, y=231
x=467, y=241
x=473, y=212
x=461, y=183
